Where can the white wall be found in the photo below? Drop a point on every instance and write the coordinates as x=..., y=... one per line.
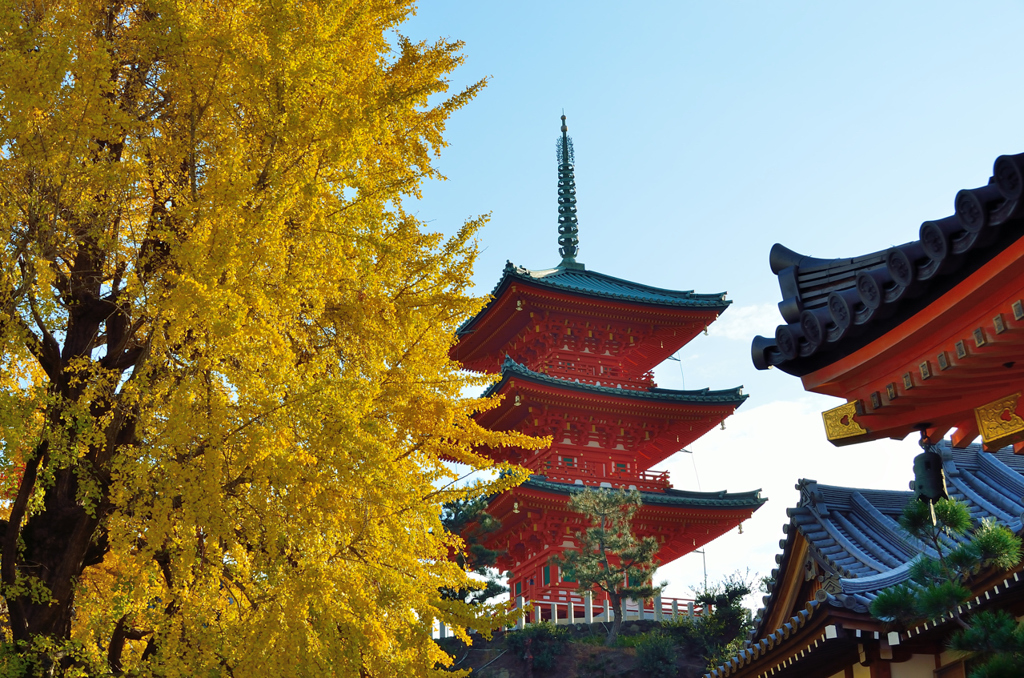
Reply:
x=919, y=666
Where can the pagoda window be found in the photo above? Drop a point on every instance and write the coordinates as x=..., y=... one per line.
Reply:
x=519, y=588
x=621, y=468
x=570, y=462
x=547, y=575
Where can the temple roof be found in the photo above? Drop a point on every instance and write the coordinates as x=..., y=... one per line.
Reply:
x=579, y=281
x=854, y=534
x=852, y=537
x=510, y=369
x=833, y=307
x=670, y=497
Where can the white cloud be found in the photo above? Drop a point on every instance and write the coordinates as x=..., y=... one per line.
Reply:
x=741, y=323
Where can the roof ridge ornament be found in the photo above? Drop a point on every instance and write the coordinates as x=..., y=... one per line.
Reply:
x=568, y=242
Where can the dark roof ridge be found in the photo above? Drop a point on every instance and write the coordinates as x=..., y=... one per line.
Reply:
x=510, y=367
x=670, y=496
x=883, y=526
x=841, y=540
x=871, y=549
x=833, y=307
x=843, y=489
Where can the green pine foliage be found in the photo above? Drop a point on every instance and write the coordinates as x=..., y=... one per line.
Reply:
x=611, y=558
x=999, y=640
x=717, y=635
x=940, y=585
x=469, y=518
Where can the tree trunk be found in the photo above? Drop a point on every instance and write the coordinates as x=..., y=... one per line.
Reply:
x=613, y=634
x=44, y=554
x=56, y=543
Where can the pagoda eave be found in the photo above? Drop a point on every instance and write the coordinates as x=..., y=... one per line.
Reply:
x=682, y=417
x=481, y=342
x=514, y=375
x=681, y=521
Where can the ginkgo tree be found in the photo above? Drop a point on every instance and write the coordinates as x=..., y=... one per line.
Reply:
x=226, y=406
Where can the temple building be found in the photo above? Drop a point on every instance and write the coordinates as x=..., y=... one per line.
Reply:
x=575, y=349
x=842, y=546
x=927, y=336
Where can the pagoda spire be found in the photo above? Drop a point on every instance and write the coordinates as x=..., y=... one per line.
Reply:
x=568, y=242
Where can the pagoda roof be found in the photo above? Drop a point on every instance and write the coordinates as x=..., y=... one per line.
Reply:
x=670, y=497
x=577, y=280
x=682, y=521
x=510, y=369
x=833, y=307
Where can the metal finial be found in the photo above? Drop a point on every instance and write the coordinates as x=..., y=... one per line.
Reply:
x=568, y=242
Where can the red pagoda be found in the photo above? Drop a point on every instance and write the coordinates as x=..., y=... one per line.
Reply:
x=575, y=350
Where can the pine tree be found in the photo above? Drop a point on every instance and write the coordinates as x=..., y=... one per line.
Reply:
x=940, y=585
x=611, y=558
x=469, y=519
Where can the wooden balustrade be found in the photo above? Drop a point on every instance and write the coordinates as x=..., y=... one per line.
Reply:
x=558, y=470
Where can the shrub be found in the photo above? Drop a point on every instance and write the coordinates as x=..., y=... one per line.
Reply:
x=543, y=641
x=716, y=636
x=656, y=655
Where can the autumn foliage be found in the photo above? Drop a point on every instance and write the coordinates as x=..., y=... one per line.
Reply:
x=225, y=397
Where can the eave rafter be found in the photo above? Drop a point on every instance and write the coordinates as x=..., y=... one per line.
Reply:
x=934, y=371
x=537, y=519
x=657, y=428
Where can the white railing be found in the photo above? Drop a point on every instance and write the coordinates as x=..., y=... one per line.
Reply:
x=583, y=610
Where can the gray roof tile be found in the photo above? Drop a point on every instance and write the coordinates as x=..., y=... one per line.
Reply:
x=826, y=314
x=856, y=531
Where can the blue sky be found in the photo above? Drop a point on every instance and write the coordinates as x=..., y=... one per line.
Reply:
x=704, y=133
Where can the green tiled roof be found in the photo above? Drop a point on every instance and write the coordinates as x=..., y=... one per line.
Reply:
x=510, y=368
x=601, y=285
x=594, y=284
x=720, y=500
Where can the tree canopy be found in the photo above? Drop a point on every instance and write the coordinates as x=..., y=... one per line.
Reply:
x=940, y=584
x=225, y=398
x=611, y=558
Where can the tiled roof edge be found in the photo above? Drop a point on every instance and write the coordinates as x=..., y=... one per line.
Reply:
x=510, y=367
x=862, y=291
x=755, y=650
x=752, y=499
x=683, y=298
